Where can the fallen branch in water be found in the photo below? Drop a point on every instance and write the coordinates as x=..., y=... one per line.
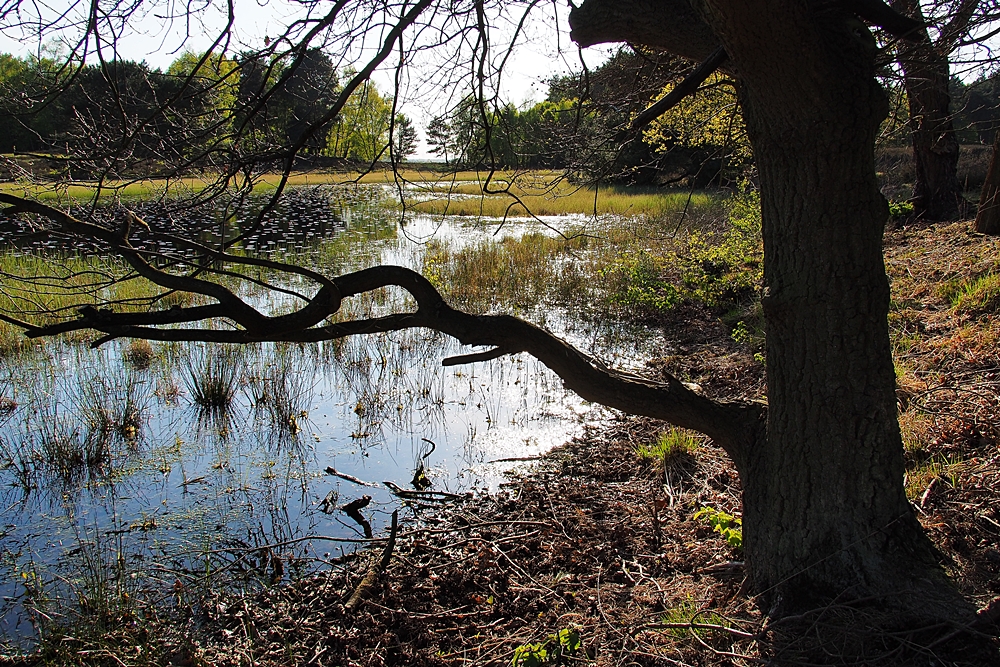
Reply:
x=377, y=568
x=330, y=470
x=439, y=496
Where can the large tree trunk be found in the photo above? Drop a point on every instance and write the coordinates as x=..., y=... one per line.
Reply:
x=825, y=512
x=937, y=194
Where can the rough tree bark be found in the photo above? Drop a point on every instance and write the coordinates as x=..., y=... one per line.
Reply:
x=825, y=513
x=937, y=194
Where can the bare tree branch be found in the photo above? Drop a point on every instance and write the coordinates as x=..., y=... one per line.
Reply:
x=728, y=423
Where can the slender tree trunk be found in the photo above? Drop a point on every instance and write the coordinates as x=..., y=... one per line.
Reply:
x=825, y=513
x=988, y=215
x=937, y=194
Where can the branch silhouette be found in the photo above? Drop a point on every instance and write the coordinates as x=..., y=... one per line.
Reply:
x=730, y=424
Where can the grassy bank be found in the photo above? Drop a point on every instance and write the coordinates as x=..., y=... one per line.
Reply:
x=145, y=188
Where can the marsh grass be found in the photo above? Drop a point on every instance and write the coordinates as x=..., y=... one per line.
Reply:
x=148, y=189
x=282, y=394
x=563, y=198
x=634, y=267
x=63, y=449
x=515, y=272
x=13, y=343
x=212, y=378
x=52, y=286
x=139, y=353
x=92, y=609
x=113, y=407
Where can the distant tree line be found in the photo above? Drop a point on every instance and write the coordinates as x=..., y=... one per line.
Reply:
x=580, y=124
x=191, y=110
x=579, y=127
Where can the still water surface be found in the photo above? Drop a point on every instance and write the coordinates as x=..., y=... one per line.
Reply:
x=115, y=486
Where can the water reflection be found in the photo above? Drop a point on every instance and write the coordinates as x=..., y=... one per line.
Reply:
x=134, y=478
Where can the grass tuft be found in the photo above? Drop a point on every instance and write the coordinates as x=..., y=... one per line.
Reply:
x=980, y=296
x=212, y=380
x=139, y=353
x=669, y=445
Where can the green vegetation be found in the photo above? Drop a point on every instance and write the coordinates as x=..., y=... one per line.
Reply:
x=618, y=265
x=977, y=297
x=900, y=209
x=557, y=649
x=692, y=615
x=723, y=523
x=139, y=353
x=670, y=444
x=639, y=282
x=212, y=378
x=212, y=97
x=722, y=270
x=521, y=272
x=535, y=197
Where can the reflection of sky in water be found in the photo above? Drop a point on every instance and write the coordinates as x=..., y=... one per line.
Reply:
x=190, y=499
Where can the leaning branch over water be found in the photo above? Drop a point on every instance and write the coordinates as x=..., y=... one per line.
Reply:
x=732, y=425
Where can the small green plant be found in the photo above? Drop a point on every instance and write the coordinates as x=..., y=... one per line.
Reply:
x=725, y=524
x=900, y=209
x=552, y=651
x=690, y=613
x=668, y=445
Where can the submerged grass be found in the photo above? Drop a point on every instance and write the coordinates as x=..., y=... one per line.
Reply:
x=516, y=272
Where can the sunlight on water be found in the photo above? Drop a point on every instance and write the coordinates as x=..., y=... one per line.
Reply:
x=189, y=467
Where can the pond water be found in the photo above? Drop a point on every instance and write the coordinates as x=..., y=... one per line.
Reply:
x=117, y=488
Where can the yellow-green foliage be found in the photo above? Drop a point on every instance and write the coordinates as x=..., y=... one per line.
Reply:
x=721, y=270
x=723, y=523
x=725, y=271
x=640, y=281
x=711, y=118
x=557, y=649
x=542, y=198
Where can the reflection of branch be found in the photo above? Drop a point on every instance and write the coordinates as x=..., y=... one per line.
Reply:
x=669, y=399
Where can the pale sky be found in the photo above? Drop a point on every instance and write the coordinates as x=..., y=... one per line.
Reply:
x=545, y=52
